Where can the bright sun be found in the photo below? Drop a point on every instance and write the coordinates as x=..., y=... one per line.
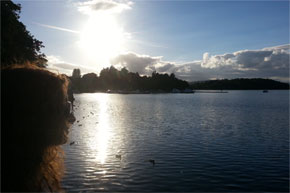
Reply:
x=102, y=39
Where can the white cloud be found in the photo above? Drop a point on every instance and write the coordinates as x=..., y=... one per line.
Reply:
x=111, y=6
x=143, y=64
x=164, y=67
x=217, y=60
x=57, y=65
x=285, y=47
x=57, y=28
x=267, y=58
x=272, y=62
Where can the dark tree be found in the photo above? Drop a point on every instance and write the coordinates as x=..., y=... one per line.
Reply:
x=76, y=80
x=76, y=73
x=123, y=80
x=17, y=44
x=89, y=83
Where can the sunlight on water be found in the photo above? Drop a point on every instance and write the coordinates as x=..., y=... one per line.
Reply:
x=103, y=129
x=99, y=142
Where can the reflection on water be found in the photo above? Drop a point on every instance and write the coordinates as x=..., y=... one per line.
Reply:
x=202, y=142
x=99, y=142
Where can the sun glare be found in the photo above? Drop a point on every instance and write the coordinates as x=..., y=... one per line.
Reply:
x=103, y=129
x=102, y=38
x=102, y=133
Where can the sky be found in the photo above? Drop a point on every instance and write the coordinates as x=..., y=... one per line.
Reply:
x=195, y=40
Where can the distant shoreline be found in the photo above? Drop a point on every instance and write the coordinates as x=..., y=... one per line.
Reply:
x=194, y=91
x=112, y=80
x=240, y=84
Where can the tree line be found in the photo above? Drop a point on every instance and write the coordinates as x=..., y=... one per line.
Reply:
x=239, y=84
x=123, y=80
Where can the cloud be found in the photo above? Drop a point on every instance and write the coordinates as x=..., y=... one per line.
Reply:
x=285, y=47
x=272, y=62
x=57, y=65
x=216, y=61
x=266, y=58
x=164, y=67
x=111, y=6
x=194, y=71
x=56, y=28
x=142, y=64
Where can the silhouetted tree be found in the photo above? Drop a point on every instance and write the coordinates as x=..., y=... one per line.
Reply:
x=123, y=80
x=89, y=82
x=17, y=44
x=76, y=80
x=76, y=73
x=124, y=71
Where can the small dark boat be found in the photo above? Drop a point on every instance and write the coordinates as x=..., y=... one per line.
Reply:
x=265, y=91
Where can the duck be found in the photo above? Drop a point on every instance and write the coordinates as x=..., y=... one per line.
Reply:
x=152, y=161
x=71, y=143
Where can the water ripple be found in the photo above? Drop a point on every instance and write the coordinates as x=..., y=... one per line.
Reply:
x=201, y=142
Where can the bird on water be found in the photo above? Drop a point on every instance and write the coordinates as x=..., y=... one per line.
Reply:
x=152, y=161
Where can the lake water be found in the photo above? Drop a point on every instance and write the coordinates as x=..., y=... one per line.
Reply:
x=236, y=141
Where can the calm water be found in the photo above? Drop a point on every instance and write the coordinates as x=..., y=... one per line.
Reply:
x=237, y=141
